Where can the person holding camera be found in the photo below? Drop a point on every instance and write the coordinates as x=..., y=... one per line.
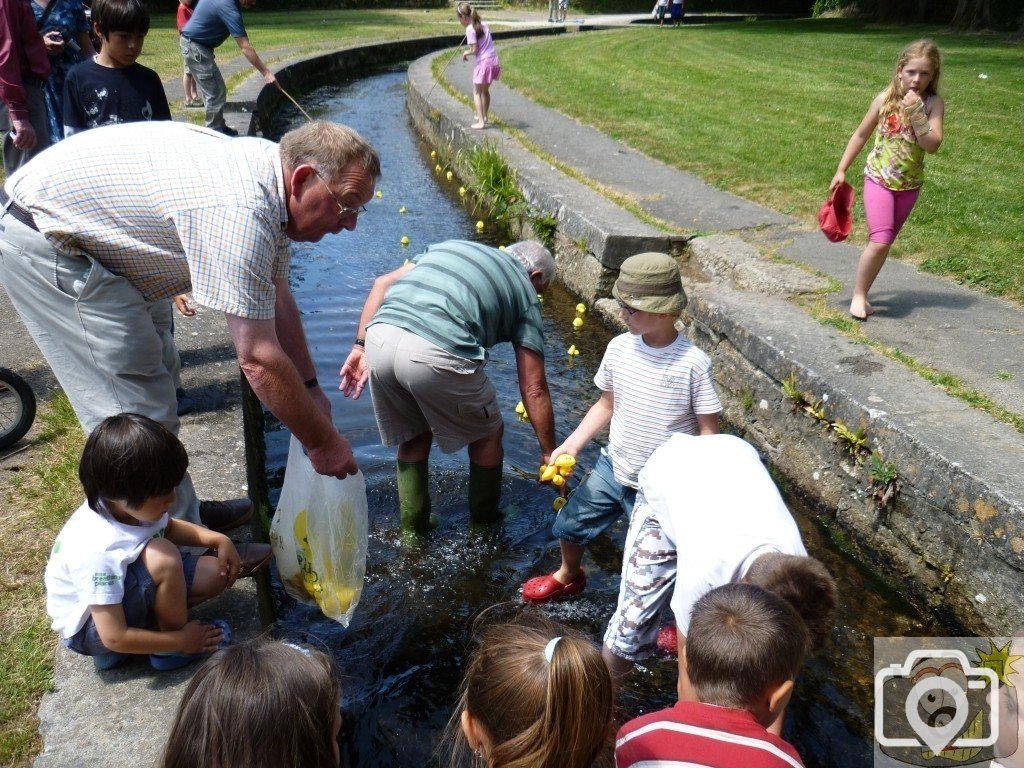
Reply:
x=65, y=33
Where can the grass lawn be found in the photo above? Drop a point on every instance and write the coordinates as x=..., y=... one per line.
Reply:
x=36, y=505
x=765, y=109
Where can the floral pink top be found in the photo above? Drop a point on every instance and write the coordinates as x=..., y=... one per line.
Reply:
x=896, y=161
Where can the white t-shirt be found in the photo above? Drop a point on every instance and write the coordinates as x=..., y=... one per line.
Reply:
x=717, y=504
x=88, y=564
x=657, y=392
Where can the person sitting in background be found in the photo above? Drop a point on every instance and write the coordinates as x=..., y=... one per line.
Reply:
x=533, y=695
x=259, y=704
x=116, y=582
x=744, y=650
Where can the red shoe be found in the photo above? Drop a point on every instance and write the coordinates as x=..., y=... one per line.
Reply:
x=542, y=589
x=668, y=640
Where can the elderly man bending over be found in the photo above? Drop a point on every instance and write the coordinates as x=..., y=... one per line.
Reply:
x=99, y=231
x=422, y=342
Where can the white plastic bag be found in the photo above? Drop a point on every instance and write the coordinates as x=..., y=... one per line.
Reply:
x=319, y=537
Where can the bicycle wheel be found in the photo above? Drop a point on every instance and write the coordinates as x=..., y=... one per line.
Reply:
x=17, y=408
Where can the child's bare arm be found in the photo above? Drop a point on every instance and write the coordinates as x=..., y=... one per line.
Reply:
x=707, y=423
x=857, y=141
x=117, y=636
x=186, y=534
x=597, y=418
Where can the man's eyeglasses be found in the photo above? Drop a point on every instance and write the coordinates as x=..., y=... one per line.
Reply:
x=344, y=211
x=628, y=309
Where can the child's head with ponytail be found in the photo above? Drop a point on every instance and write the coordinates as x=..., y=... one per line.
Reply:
x=534, y=696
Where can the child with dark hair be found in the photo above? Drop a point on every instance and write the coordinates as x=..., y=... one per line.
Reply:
x=259, y=705
x=745, y=648
x=116, y=582
x=533, y=696
x=113, y=87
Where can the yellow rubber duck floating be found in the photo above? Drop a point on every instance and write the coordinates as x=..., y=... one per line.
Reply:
x=577, y=323
x=405, y=240
x=433, y=154
x=480, y=226
x=380, y=195
x=521, y=413
x=437, y=169
x=403, y=210
x=581, y=308
x=462, y=191
x=449, y=175
x=572, y=350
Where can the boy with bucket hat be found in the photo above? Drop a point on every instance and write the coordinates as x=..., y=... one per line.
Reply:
x=654, y=383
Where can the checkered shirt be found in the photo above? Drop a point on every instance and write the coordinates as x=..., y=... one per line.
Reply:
x=169, y=206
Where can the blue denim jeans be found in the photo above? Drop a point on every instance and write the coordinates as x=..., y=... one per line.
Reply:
x=595, y=505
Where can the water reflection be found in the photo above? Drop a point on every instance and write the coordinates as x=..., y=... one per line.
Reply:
x=402, y=655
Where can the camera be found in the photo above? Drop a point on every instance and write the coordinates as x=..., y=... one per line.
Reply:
x=936, y=709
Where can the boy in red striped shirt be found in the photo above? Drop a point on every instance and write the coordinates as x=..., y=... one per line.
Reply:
x=736, y=672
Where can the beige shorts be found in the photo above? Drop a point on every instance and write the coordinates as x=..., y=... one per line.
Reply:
x=418, y=387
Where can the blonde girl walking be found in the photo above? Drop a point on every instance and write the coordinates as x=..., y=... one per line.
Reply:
x=487, y=69
x=906, y=119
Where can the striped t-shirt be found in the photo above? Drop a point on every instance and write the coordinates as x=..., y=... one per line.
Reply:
x=465, y=298
x=657, y=393
x=692, y=734
x=169, y=206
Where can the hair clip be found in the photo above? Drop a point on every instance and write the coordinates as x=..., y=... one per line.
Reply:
x=304, y=651
x=549, y=649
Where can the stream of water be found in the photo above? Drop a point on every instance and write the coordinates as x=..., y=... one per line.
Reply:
x=401, y=657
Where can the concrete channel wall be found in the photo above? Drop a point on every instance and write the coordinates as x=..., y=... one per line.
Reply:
x=953, y=541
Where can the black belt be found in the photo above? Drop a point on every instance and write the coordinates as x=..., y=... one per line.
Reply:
x=17, y=211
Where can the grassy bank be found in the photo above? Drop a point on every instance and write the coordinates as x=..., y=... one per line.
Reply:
x=764, y=110
x=36, y=504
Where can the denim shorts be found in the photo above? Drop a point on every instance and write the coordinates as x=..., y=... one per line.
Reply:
x=138, y=601
x=595, y=505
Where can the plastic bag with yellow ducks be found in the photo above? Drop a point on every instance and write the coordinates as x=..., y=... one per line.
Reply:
x=319, y=537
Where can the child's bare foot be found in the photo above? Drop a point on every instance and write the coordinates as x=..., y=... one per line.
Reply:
x=478, y=125
x=861, y=310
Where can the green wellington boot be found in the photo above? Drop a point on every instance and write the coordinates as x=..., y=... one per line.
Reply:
x=413, y=495
x=484, y=493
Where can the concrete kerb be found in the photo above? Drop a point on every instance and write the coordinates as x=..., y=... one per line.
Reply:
x=954, y=540
x=124, y=716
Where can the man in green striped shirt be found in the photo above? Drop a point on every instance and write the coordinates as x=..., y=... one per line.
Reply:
x=423, y=341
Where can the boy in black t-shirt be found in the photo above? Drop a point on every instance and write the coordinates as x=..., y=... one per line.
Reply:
x=112, y=87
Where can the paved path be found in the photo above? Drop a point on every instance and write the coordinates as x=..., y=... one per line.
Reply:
x=936, y=321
